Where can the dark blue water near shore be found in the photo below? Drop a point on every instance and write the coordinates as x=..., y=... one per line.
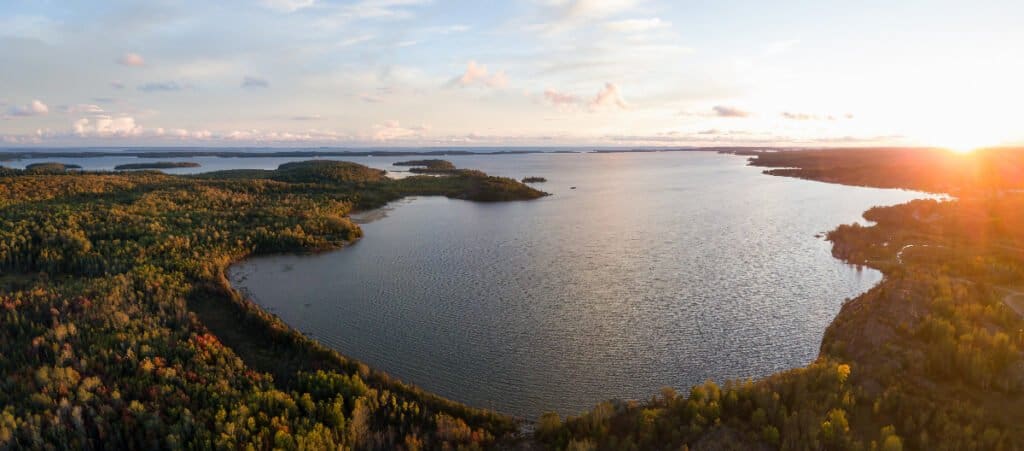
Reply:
x=659, y=269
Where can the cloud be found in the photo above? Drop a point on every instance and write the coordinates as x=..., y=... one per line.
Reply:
x=393, y=130
x=117, y=84
x=568, y=14
x=254, y=82
x=106, y=126
x=609, y=96
x=636, y=25
x=132, y=60
x=449, y=29
x=287, y=6
x=590, y=9
x=560, y=98
x=728, y=111
x=33, y=108
x=370, y=98
x=355, y=40
x=477, y=74
x=813, y=117
x=779, y=47
x=307, y=117
x=165, y=86
x=82, y=108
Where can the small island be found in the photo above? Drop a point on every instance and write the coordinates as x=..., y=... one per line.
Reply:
x=428, y=166
x=50, y=167
x=156, y=165
x=534, y=180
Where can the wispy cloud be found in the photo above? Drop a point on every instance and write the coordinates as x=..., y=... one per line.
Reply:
x=307, y=117
x=636, y=25
x=132, y=60
x=287, y=6
x=730, y=111
x=254, y=82
x=477, y=74
x=164, y=86
x=82, y=108
x=560, y=99
x=814, y=117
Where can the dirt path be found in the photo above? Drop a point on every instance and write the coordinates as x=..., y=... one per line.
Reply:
x=1015, y=299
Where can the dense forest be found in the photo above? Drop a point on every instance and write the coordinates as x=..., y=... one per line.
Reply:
x=929, y=359
x=119, y=330
x=156, y=165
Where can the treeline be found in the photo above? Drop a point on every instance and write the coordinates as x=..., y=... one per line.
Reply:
x=114, y=312
x=930, y=359
x=925, y=169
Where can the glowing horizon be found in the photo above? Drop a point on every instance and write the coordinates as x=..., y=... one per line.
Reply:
x=526, y=73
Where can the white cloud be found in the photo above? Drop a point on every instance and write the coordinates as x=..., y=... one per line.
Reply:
x=33, y=108
x=106, y=126
x=568, y=14
x=131, y=59
x=477, y=74
x=590, y=9
x=609, y=96
x=355, y=40
x=636, y=25
x=393, y=130
x=287, y=6
x=83, y=108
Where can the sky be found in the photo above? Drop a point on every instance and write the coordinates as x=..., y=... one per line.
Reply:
x=510, y=73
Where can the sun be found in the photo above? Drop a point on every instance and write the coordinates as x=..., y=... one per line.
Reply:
x=961, y=140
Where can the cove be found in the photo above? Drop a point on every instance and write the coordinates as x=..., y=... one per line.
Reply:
x=659, y=269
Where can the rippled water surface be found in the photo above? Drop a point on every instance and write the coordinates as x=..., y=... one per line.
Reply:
x=659, y=269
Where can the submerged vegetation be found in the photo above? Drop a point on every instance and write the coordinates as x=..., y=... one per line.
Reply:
x=156, y=165
x=119, y=329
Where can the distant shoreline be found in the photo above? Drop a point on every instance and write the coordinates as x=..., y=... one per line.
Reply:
x=11, y=155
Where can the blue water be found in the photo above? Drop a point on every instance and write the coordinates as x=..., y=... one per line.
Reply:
x=659, y=269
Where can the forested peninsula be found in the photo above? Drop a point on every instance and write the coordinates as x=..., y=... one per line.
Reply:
x=119, y=329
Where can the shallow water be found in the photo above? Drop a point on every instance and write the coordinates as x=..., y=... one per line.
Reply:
x=659, y=269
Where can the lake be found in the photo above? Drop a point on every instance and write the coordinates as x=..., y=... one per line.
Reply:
x=658, y=269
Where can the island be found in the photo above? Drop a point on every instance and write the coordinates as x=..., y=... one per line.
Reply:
x=534, y=180
x=428, y=166
x=156, y=165
x=49, y=167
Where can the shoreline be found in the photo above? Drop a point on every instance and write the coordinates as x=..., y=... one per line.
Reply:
x=361, y=217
